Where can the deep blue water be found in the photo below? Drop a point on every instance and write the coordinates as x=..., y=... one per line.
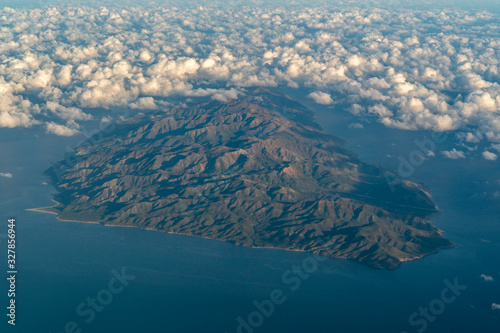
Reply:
x=185, y=284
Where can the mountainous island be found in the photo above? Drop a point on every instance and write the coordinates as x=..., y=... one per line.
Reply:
x=256, y=172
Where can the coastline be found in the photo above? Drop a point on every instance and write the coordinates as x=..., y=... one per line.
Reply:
x=51, y=210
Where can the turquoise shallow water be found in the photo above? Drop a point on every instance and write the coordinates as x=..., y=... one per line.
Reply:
x=185, y=284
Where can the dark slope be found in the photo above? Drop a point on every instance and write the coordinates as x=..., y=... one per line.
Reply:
x=256, y=172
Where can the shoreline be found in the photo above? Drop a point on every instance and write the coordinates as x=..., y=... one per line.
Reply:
x=42, y=210
x=47, y=210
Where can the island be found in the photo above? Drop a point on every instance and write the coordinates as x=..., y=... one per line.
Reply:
x=255, y=171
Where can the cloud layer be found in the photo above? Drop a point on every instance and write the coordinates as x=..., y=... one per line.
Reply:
x=409, y=69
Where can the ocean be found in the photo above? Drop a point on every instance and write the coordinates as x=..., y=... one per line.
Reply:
x=175, y=283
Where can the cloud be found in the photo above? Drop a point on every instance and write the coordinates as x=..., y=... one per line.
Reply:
x=489, y=156
x=106, y=119
x=145, y=103
x=356, y=125
x=6, y=175
x=225, y=95
x=321, y=98
x=145, y=56
x=453, y=154
x=53, y=70
x=380, y=111
x=60, y=130
x=66, y=113
x=16, y=119
x=487, y=278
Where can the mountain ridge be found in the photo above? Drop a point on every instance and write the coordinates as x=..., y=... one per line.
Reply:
x=256, y=172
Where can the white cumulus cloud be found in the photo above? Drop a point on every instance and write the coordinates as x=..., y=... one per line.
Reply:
x=60, y=64
x=321, y=98
x=489, y=156
x=60, y=130
x=453, y=154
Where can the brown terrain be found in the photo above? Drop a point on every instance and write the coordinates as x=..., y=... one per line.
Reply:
x=256, y=172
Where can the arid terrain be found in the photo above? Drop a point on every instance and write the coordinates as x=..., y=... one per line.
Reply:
x=256, y=172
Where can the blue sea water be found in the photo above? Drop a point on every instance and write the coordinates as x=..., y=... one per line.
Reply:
x=186, y=284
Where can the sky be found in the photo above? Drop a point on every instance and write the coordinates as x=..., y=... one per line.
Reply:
x=432, y=66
